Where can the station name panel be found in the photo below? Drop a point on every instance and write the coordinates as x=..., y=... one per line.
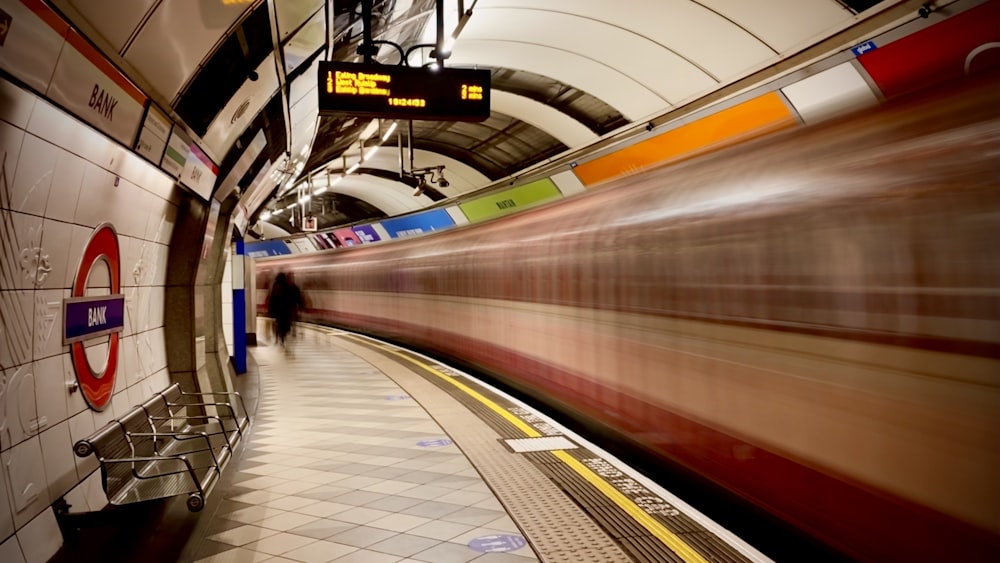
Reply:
x=400, y=92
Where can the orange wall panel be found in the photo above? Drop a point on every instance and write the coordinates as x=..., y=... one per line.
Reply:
x=753, y=117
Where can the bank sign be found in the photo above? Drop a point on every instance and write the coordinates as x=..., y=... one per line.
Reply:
x=88, y=317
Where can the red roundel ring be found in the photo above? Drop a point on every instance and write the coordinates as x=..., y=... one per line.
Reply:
x=97, y=388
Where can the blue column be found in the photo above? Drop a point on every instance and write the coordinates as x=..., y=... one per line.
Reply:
x=239, y=311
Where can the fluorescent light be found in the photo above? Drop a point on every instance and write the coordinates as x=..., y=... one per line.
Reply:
x=321, y=190
x=353, y=168
x=265, y=215
x=388, y=133
x=305, y=199
x=449, y=44
x=372, y=152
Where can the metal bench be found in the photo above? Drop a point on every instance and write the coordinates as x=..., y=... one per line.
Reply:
x=173, y=444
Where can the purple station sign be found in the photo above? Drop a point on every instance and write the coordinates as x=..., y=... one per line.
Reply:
x=87, y=317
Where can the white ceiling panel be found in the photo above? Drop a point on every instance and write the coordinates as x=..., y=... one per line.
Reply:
x=293, y=14
x=605, y=82
x=685, y=27
x=305, y=85
x=392, y=198
x=462, y=177
x=177, y=37
x=662, y=71
x=115, y=20
x=310, y=37
x=241, y=109
x=783, y=24
x=569, y=131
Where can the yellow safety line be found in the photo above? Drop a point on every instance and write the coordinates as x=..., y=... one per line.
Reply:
x=671, y=540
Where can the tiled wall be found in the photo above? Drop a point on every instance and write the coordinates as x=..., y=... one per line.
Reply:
x=60, y=179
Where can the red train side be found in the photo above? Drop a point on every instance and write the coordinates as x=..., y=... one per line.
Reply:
x=810, y=320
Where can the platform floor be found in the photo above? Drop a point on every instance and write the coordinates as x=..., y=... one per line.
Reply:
x=362, y=452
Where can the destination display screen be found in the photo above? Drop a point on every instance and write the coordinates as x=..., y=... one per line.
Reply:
x=400, y=92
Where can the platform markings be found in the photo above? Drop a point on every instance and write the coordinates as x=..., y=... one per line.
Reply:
x=658, y=530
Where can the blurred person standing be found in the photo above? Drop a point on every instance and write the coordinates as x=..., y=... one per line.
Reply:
x=283, y=304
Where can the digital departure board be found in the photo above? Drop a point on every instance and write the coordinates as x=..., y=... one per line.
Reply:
x=401, y=92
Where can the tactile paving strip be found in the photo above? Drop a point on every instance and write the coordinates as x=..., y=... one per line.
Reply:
x=555, y=527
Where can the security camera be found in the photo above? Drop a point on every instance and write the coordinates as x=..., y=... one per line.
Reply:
x=421, y=184
x=443, y=182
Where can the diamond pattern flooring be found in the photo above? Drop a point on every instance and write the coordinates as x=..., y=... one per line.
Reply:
x=343, y=466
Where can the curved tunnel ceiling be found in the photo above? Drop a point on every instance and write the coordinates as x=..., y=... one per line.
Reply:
x=564, y=73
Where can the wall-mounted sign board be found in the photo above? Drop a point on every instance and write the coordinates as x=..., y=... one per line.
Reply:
x=401, y=92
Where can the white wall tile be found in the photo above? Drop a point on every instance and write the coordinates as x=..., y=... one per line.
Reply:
x=57, y=454
x=66, y=183
x=51, y=392
x=98, y=191
x=131, y=296
x=103, y=417
x=158, y=381
x=81, y=235
x=129, y=248
x=40, y=539
x=48, y=122
x=140, y=306
x=26, y=476
x=136, y=394
x=10, y=550
x=158, y=207
x=166, y=226
x=17, y=399
x=81, y=426
x=120, y=404
x=161, y=255
x=11, y=139
x=148, y=261
x=120, y=379
x=57, y=238
x=17, y=310
x=75, y=403
x=158, y=344
x=6, y=507
x=128, y=209
x=21, y=247
x=35, y=168
x=59, y=128
x=16, y=108
x=129, y=352
x=48, y=323
x=157, y=295
x=161, y=185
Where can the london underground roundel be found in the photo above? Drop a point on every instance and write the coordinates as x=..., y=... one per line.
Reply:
x=89, y=317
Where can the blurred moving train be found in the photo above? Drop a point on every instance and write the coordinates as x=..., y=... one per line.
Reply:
x=810, y=320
